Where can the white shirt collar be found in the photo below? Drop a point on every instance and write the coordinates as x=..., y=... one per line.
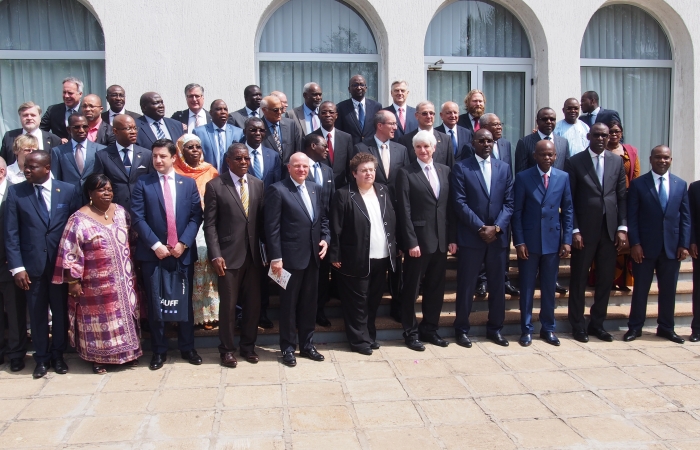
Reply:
x=248, y=111
x=595, y=111
x=121, y=148
x=295, y=182
x=250, y=149
x=199, y=114
x=593, y=154
x=112, y=113
x=454, y=129
x=355, y=102
x=74, y=143
x=424, y=165
x=325, y=132
x=170, y=174
x=75, y=108
x=544, y=136
x=379, y=143
x=479, y=159
x=308, y=110
x=549, y=172
x=657, y=176
x=236, y=179
x=46, y=185
x=396, y=108
x=152, y=121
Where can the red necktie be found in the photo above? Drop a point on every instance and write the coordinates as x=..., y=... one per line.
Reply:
x=330, y=147
x=169, y=212
x=546, y=180
x=476, y=124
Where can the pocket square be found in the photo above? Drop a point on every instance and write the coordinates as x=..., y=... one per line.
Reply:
x=62, y=205
x=141, y=167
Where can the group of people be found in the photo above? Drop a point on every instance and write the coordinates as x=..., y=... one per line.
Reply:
x=100, y=210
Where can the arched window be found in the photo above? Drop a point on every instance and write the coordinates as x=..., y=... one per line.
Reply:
x=41, y=43
x=325, y=41
x=626, y=58
x=474, y=44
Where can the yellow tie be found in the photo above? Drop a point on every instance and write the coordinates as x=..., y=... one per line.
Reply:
x=244, y=196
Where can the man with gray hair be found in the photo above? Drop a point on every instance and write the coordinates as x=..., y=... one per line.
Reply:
x=425, y=115
x=306, y=115
x=195, y=115
x=55, y=119
x=29, y=117
x=286, y=113
x=405, y=115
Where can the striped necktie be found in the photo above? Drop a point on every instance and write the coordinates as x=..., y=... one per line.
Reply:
x=244, y=196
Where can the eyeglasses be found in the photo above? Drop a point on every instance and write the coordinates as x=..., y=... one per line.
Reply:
x=427, y=113
x=126, y=129
x=276, y=110
x=547, y=119
x=390, y=124
x=358, y=85
x=256, y=130
x=193, y=146
x=600, y=135
x=485, y=141
x=242, y=158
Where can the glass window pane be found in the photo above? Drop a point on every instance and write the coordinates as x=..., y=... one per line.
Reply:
x=642, y=96
x=337, y=28
x=624, y=32
x=505, y=97
x=476, y=28
x=448, y=86
x=290, y=77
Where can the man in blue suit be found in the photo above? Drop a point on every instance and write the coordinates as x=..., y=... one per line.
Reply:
x=36, y=214
x=593, y=112
x=218, y=135
x=73, y=161
x=405, y=115
x=482, y=192
x=461, y=137
x=166, y=213
x=356, y=114
x=154, y=125
x=658, y=221
x=543, y=218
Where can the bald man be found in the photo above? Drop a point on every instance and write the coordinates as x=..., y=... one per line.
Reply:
x=281, y=134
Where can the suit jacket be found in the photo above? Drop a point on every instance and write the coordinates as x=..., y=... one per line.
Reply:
x=5, y=274
x=109, y=162
x=64, y=167
x=184, y=116
x=525, y=151
x=105, y=135
x=30, y=241
x=342, y=153
x=50, y=141
x=465, y=122
x=444, y=153
x=105, y=115
x=475, y=207
x=54, y=120
x=658, y=231
x=398, y=158
x=590, y=200
x=411, y=122
x=543, y=219
x=149, y=220
x=290, y=139
x=208, y=135
x=238, y=118
x=146, y=137
x=464, y=142
x=604, y=116
x=327, y=187
x=297, y=115
x=424, y=220
x=350, y=229
x=290, y=233
x=694, y=200
x=347, y=119
x=228, y=232
x=272, y=167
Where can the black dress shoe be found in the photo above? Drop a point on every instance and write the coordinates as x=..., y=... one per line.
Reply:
x=581, y=336
x=481, y=290
x=288, y=359
x=59, y=366
x=510, y=289
x=497, y=338
x=415, y=344
x=157, y=361
x=322, y=320
x=670, y=335
x=191, y=357
x=16, y=364
x=263, y=322
x=550, y=338
x=559, y=289
x=600, y=334
x=40, y=370
x=251, y=357
x=312, y=354
x=228, y=359
x=374, y=345
x=695, y=337
x=363, y=351
x=632, y=335
x=463, y=340
x=525, y=339
x=435, y=340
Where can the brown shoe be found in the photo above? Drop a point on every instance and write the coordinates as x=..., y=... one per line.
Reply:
x=228, y=359
x=251, y=357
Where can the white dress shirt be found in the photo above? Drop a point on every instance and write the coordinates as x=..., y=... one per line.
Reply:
x=454, y=130
x=546, y=136
x=39, y=137
x=112, y=114
x=258, y=158
x=76, y=109
x=487, y=176
x=3, y=190
x=575, y=134
x=317, y=173
x=192, y=121
x=325, y=135
x=355, y=104
x=46, y=193
x=14, y=174
x=249, y=112
x=432, y=173
x=377, y=237
x=83, y=150
x=396, y=108
x=161, y=122
x=656, y=177
x=594, y=115
x=171, y=183
x=130, y=152
x=308, y=119
x=237, y=182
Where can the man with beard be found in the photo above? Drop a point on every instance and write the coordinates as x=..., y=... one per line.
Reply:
x=475, y=103
x=572, y=128
x=306, y=115
x=100, y=132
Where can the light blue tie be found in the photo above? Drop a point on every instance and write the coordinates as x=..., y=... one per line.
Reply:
x=663, y=195
x=256, y=166
x=307, y=200
x=317, y=174
x=599, y=169
x=454, y=141
x=159, y=131
x=221, y=150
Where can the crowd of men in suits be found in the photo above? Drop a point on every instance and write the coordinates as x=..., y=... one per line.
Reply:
x=561, y=193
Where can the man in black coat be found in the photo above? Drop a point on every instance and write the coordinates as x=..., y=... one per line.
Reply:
x=195, y=115
x=340, y=145
x=425, y=115
x=356, y=114
x=116, y=99
x=590, y=106
x=55, y=118
x=29, y=116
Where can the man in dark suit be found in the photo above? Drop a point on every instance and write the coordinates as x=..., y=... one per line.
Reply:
x=426, y=222
x=475, y=104
x=460, y=137
x=658, y=217
x=297, y=237
x=282, y=135
x=356, y=114
x=154, y=125
x=195, y=115
x=524, y=151
x=116, y=98
x=233, y=225
x=55, y=118
x=306, y=116
x=405, y=115
x=542, y=225
x=694, y=200
x=482, y=192
x=29, y=116
x=124, y=162
x=598, y=189
x=167, y=212
x=253, y=97
x=218, y=135
x=36, y=214
x=593, y=112
x=425, y=115
x=73, y=161
x=340, y=145
x=99, y=131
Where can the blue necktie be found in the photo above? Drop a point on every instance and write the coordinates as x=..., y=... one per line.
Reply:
x=222, y=150
x=126, y=161
x=316, y=171
x=361, y=115
x=159, y=131
x=256, y=166
x=663, y=195
x=43, y=208
x=454, y=141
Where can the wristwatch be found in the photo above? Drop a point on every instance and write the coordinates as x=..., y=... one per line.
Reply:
x=498, y=229
x=183, y=244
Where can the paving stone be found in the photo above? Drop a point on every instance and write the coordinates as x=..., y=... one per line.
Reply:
x=422, y=368
x=34, y=433
x=402, y=438
x=637, y=400
x=453, y=411
x=346, y=440
x=185, y=399
x=670, y=425
x=366, y=370
x=315, y=393
x=185, y=424
x=498, y=384
x=486, y=436
x=527, y=362
x=376, y=390
x=55, y=407
x=609, y=429
x=579, y=359
x=543, y=433
x=265, y=396
x=549, y=381
x=660, y=375
x=423, y=388
x=106, y=429
x=119, y=403
x=476, y=365
x=252, y=422
x=320, y=418
x=516, y=407
x=387, y=414
x=685, y=396
x=580, y=403
x=606, y=377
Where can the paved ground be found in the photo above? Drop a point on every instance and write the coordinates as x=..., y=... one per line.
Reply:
x=640, y=395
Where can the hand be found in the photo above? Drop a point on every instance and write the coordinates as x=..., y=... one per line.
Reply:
x=621, y=241
x=487, y=233
x=682, y=253
x=577, y=241
x=162, y=252
x=452, y=248
x=414, y=252
x=178, y=250
x=694, y=251
x=637, y=254
x=522, y=251
x=276, y=267
x=400, y=253
x=22, y=280
x=219, y=266
x=64, y=140
x=564, y=250
x=336, y=265
x=324, y=249
x=75, y=289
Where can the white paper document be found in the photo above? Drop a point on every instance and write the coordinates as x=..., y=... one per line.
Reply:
x=281, y=280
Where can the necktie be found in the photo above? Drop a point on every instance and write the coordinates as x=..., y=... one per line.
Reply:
x=453, y=138
x=432, y=181
x=244, y=196
x=329, y=138
x=43, y=208
x=222, y=150
x=256, y=165
x=276, y=137
x=169, y=212
x=593, y=116
x=386, y=162
x=402, y=119
x=79, y=160
x=477, y=127
x=495, y=154
x=126, y=161
x=159, y=130
x=307, y=200
x=546, y=180
x=549, y=138
x=599, y=169
x=197, y=121
x=314, y=121
x=317, y=173
x=361, y=115
x=253, y=114
x=486, y=170
x=663, y=195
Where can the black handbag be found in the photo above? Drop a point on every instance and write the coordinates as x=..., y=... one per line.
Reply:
x=169, y=293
